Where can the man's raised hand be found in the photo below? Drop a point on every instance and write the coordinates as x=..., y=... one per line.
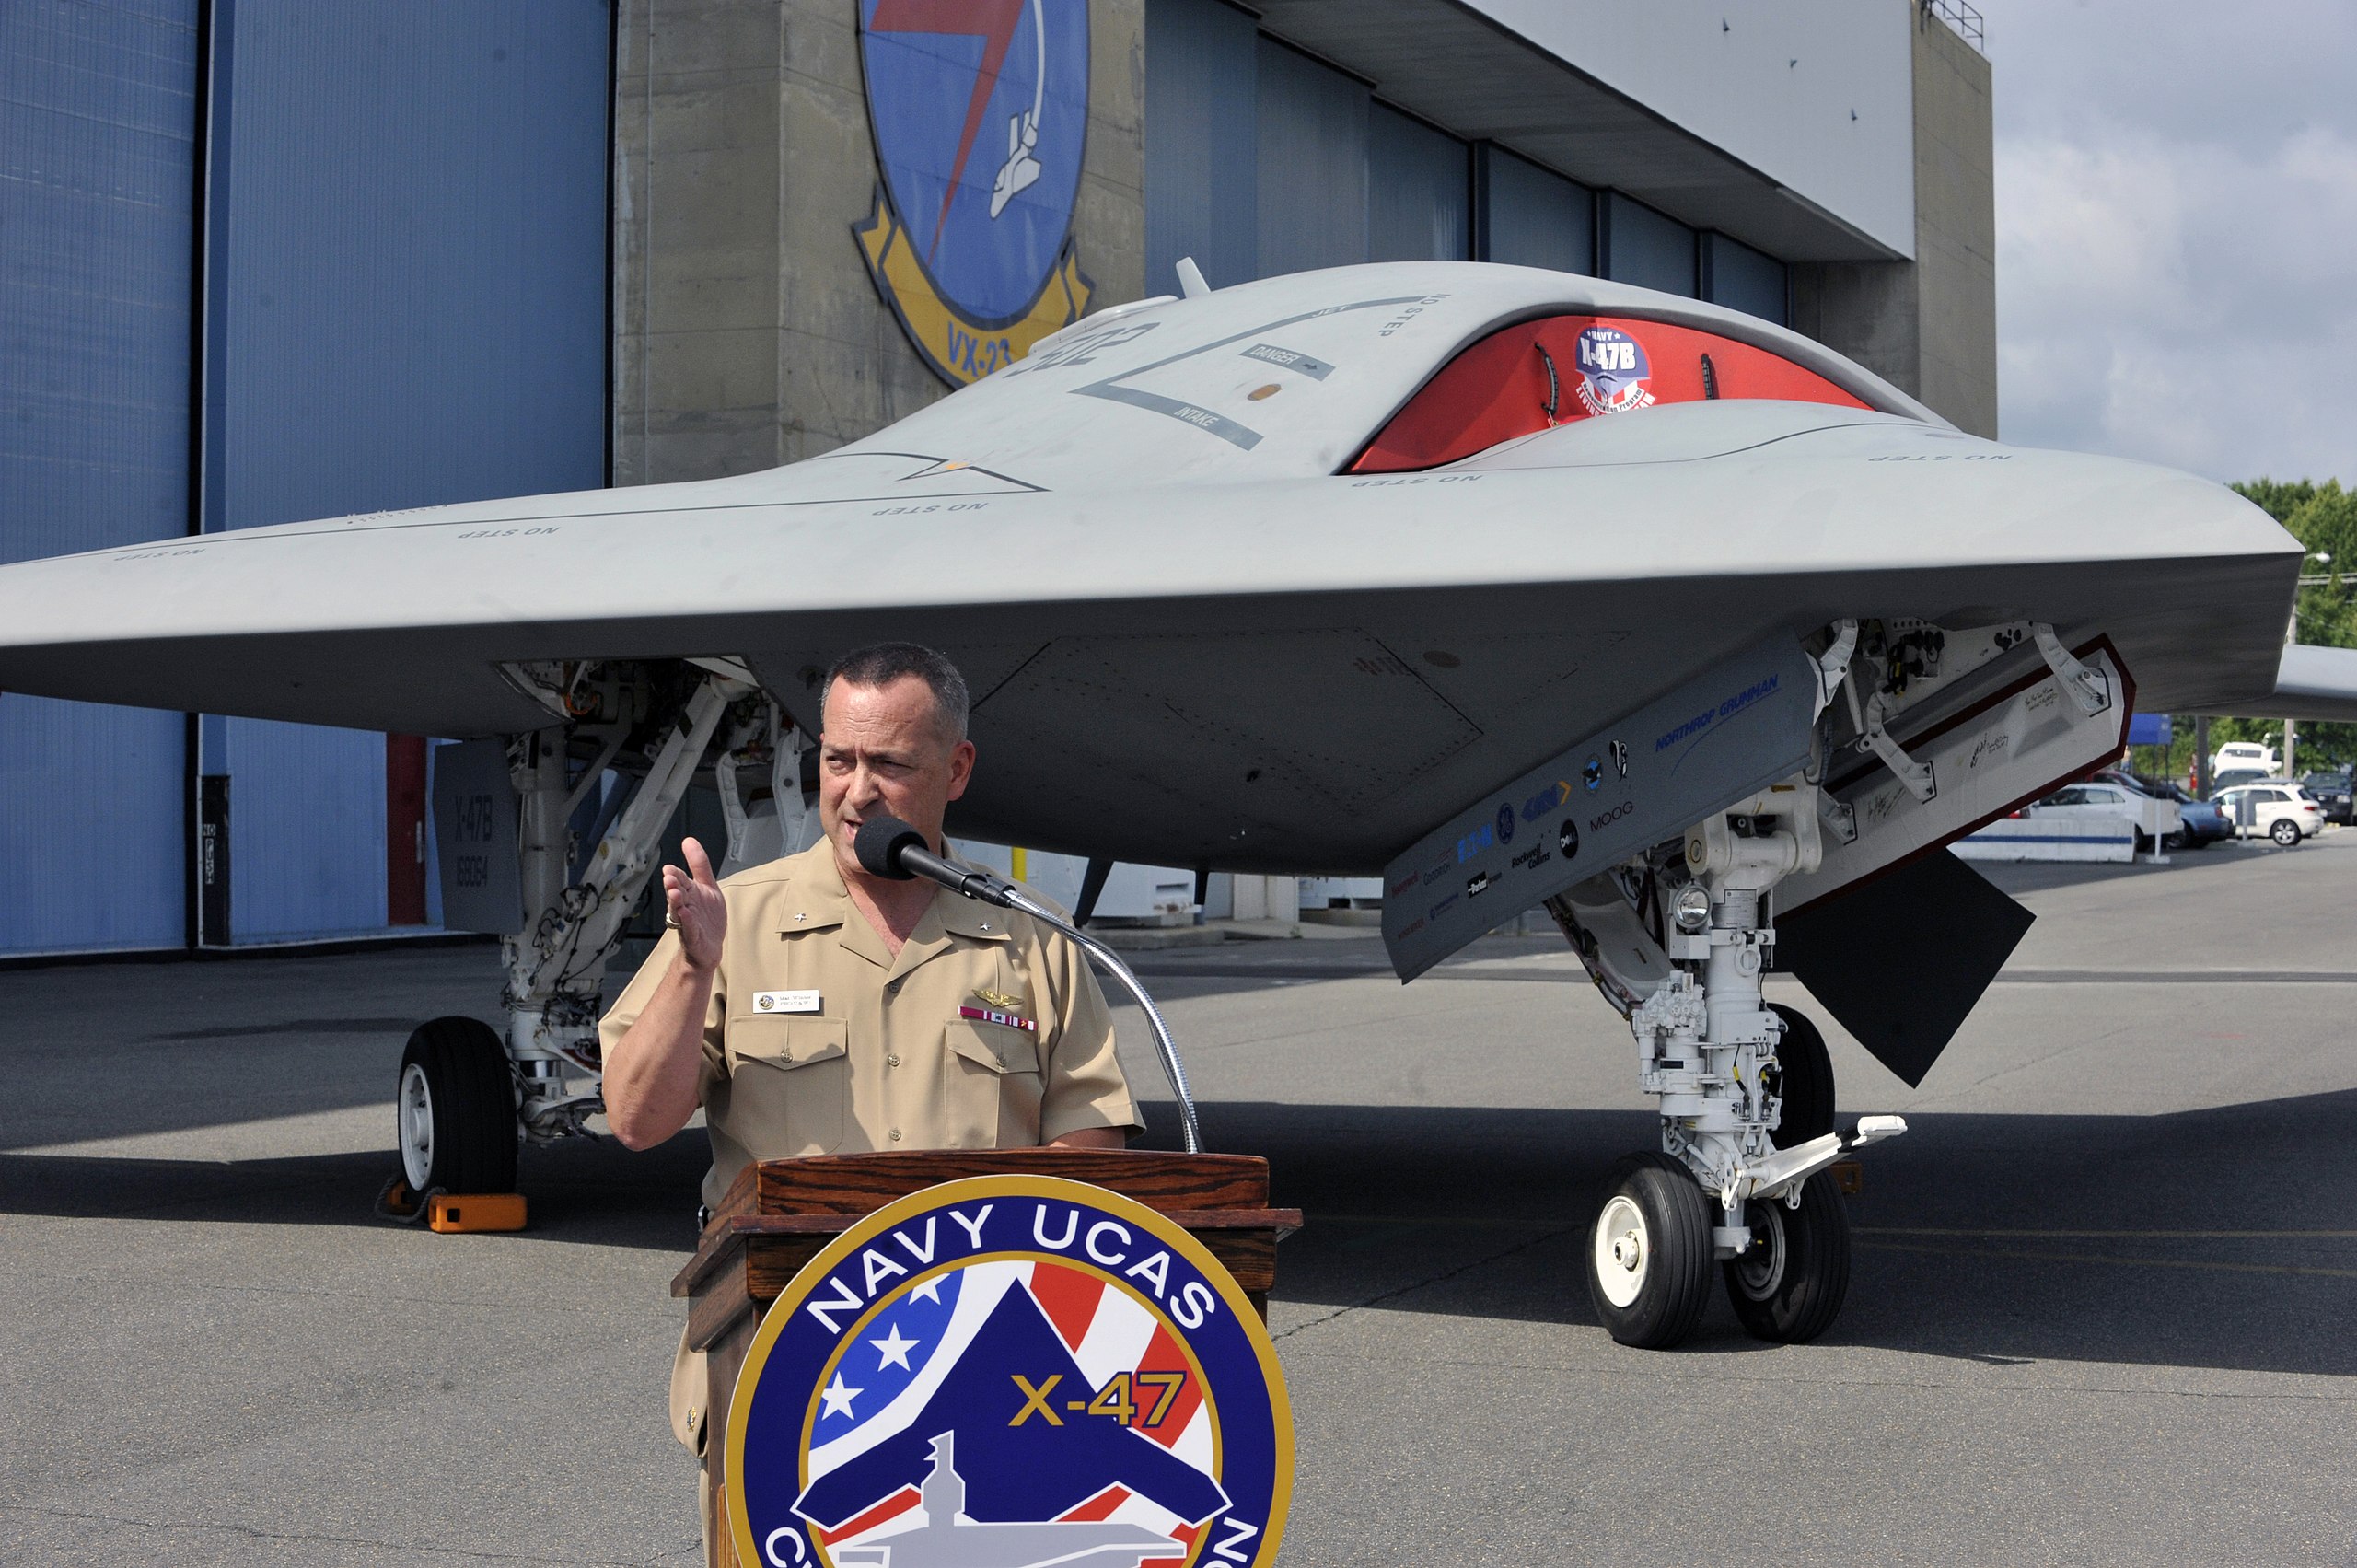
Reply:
x=693, y=900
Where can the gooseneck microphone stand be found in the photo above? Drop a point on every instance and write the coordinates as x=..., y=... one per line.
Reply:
x=889, y=847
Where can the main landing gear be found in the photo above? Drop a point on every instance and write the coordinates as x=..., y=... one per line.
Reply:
x=469, y=1096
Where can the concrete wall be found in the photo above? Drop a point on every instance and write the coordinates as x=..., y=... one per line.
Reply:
x=746, y=330
x=1929, y=325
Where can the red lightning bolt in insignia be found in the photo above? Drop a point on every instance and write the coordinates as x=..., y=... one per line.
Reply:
x=992, y=21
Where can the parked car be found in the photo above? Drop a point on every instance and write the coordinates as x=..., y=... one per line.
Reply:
x=2332, y=793
x=2239, y=754
x=2275, y=808
x=2236, y=778
x=2198, y=822
x=2153, y=818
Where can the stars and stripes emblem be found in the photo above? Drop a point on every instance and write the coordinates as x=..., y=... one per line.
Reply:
x=1011, y=1372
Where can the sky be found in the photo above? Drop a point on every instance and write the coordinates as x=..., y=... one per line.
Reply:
x=2177, y=231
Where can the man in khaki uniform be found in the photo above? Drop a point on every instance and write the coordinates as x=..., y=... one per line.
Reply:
x=810, y=1009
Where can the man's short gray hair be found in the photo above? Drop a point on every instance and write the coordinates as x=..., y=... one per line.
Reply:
x=880, y=664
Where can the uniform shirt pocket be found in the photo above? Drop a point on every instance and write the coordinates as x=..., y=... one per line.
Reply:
x=995, y=1085
x=789, y=1083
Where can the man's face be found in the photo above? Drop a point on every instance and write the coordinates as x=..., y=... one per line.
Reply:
x=882, y=753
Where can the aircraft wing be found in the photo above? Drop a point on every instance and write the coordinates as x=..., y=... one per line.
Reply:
x=2310, y=684
x=1194, y=636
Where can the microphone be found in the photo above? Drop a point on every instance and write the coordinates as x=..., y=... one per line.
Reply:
x=890, y=848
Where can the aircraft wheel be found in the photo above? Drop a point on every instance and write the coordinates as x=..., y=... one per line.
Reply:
x=455, y=1110
x=1787, y=1286
x=2285, y=832
x=1649, y=1252
x=1804, y=1079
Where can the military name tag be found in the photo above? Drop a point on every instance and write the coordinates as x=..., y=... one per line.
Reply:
x=1011, y=1370
x=786, y=1001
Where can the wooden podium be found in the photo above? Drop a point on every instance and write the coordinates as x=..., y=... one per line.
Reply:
x=778, y=1215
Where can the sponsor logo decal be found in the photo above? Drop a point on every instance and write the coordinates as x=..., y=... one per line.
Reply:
x=1407, y=884
x=1604, y=818
x=1545, y=800
x=1505, y=823
x=1568, y=840
x=1591, y=774
x=1478, y=884
x=979, y=111
x=1726, y=710
x=1442, y=908
x=1530, y=858
x=1473, y=843
x=1613, y=371
x=1010, y=1369
x=1619, y=749
x=1437, y=872
x=1411, y=928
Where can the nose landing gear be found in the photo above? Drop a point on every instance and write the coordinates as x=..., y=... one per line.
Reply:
x=1747, y=1099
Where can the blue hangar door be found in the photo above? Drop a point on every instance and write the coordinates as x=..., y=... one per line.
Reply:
x=405, y=301
x=98, y=144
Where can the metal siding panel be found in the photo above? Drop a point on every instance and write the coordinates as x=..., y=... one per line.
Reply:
x=1312, y=161
x=97, y=116
x=90, y=835
x=1535, y=218
x=1648, y=250
x=1744, y=279
x=408, y=308
x=1418, y=192
x=1201, y=186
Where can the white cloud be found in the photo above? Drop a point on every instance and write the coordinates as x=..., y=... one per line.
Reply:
x=2176, y=246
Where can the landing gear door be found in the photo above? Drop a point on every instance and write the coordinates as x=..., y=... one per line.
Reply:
x=474, y=828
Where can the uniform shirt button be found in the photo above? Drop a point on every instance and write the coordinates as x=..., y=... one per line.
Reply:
x=892, y=1062
x=896, y=1134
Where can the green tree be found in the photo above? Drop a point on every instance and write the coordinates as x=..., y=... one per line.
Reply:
x=2324, y=518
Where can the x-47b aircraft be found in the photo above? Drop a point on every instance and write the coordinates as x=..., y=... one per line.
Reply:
x=1514, y=587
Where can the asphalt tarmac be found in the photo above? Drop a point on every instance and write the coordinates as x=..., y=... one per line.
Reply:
x=2101, y=1310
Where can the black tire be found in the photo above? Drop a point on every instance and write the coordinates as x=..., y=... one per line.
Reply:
x=454, y=1114
x=1805, y=1078
x=1658, y=1252
x=2173, y=842
x=1787, y=1288
x=2285, y=832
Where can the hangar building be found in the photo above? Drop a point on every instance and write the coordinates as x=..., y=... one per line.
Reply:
x=269, y=259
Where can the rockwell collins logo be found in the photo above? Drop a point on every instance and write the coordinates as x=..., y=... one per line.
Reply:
x=980, y=109
x=1010, y=1372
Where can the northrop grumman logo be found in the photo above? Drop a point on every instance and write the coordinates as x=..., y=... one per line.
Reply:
x=1728, y=709
x=1010, y=1372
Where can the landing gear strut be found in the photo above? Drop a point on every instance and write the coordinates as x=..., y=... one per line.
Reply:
x=468, y=1096
x=1746, y=1097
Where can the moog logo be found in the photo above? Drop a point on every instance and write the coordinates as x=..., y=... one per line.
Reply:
x=1604, y=818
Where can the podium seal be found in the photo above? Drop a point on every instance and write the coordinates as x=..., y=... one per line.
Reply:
x=1010, y=1372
